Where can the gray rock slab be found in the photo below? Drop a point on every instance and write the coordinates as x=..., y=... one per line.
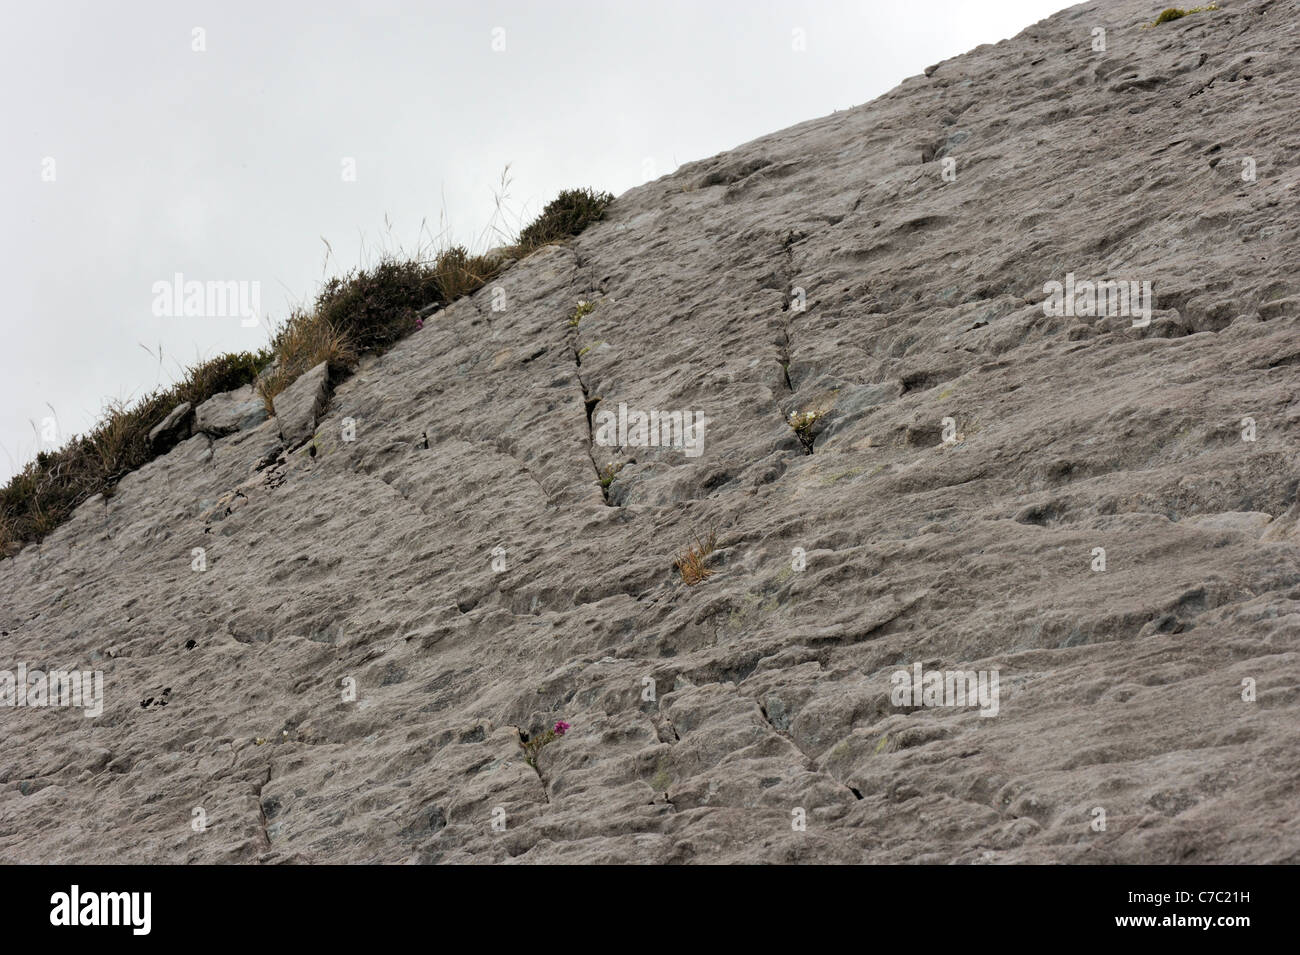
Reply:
x=299, y=406
x=230, y=411
x=173, y=428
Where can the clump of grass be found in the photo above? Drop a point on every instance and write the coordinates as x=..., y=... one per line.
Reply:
x=44, y=494
x=368, y=310
x=459, y=274
x=691, y=563
x=566, y=215
x=804, y=427
x=302, y=342
x=223, y=373
x=1170, y=14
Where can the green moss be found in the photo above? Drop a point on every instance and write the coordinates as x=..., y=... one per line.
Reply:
x=1170, y=14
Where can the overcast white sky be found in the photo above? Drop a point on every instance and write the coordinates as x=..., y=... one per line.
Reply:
x=227, y=163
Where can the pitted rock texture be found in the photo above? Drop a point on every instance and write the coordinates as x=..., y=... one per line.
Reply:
x=349, y=677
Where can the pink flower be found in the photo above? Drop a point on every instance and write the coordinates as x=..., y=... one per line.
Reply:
x=561, y=728
x=419, y=324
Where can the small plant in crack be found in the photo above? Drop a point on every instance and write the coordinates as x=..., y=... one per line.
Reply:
x=804, y=426
x=584, y=309
x=533, y=745
x=691, y=563
x=608, y=474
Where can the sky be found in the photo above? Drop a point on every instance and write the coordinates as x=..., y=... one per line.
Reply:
x=271, y=144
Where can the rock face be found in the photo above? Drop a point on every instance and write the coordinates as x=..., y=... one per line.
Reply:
x=172, y=428
x=1097, y=511
x=230, y=411
x=298, y=407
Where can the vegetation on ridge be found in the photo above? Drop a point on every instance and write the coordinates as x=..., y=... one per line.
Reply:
x=567, y=214
x=365, y=310
x=1174, y=13
x=42, y=495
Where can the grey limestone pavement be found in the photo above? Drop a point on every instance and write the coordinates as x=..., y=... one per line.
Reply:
x=326, y=638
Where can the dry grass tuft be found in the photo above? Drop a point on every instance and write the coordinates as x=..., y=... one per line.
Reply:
x=459, y=274
x=304, y=341
x=691, y=562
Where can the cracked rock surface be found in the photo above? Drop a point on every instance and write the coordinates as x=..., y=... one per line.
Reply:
x=385, y=610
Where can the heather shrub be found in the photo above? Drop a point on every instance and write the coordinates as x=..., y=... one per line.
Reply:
x=372, y=308
x=564, y=216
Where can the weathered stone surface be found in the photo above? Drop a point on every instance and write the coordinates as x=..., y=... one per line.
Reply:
x=502, y=255
x=1163, y=690
x=299, y=406
x=173, y=428
x=230, y=411
x=1253, y=523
